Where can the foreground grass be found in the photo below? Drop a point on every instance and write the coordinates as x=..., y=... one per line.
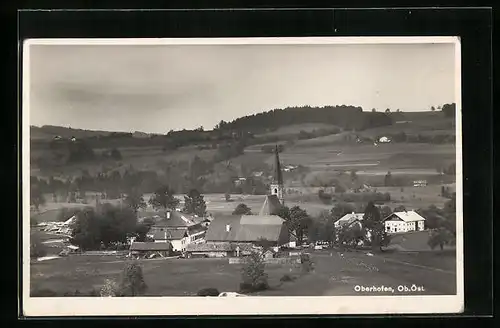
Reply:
x=333, y=274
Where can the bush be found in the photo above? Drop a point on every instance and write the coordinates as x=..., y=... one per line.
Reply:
x=208, y=292
x=306, y=263
x=250, y=288
x=287, y=277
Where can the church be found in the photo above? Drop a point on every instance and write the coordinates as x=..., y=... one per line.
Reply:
x=248, y=229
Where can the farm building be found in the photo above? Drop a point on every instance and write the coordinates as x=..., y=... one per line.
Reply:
x=150, y=249
x=403, y=222
x=248, y=229
x=420, y=183
x=179, y=237
x=349, y=219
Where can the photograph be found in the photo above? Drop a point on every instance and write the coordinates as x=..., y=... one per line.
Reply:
x=299, y=175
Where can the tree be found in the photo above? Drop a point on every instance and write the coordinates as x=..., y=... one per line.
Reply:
x=388, y=110
x=341, y=209
x=135, y=200
x=373, y=110
x=253, y=273
x=194, y=203
x=449, y=110
x=242, y=209
x=132, y=280
x=385, y=211
x=298, y=222
x=440, y=237
x=433, y=108
x=354, y=175
x=400, y=208
x=372, y=221
x=115, y=154
x=163, y=199
x=37, y=249
x=388, y=179
x=265, y=244
x=36, y=197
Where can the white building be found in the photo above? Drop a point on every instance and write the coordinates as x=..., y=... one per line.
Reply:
x=403, y=222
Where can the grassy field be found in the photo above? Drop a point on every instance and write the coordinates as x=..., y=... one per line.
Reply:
x=333, y=274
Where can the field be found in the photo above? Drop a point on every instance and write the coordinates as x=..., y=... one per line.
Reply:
x=333, y=274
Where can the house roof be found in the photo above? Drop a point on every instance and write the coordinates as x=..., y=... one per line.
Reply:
x=349, y=218
x=246, y=228
x=177, y=219
x=169, y=234
x=407, y=216
x=150, y=246
x=196, y=229
x=271, y=205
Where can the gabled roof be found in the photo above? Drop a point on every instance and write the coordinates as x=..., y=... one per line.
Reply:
x=246, y=228
x=169, y=234
x=407, y=216
x=177, y=219
x=350, y=218
x=271, y=205
x=148, y=246
x=196, y=229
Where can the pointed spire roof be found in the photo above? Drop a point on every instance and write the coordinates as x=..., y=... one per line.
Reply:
x=271, y=205
x=278, y=175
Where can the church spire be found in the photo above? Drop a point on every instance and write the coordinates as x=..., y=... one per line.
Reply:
x=277, y=184
x=278, y=175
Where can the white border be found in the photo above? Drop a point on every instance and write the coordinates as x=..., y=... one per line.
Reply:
x=95, y=306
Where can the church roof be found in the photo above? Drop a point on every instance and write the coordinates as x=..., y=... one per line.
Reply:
x=271, y=205
x=246, y=228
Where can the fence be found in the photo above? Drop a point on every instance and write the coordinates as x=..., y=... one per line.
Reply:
x=105, y=253
x=283, y=260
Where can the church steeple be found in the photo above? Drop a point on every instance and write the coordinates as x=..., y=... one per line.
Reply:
x=277, y=184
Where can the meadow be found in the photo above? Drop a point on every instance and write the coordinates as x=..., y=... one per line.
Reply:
x=333, y=274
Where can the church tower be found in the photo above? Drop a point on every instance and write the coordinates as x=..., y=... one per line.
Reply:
x=277, y=184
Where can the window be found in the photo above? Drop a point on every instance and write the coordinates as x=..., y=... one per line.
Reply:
x=275, y=191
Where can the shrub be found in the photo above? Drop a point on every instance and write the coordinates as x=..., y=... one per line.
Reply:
x=306, y=263
x=37, y=249
x=109, y=289
x=287, y=277
x=208, y=292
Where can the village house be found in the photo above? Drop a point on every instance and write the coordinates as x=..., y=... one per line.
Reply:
x=179, y=237
x=350, y=219
x=403, y=222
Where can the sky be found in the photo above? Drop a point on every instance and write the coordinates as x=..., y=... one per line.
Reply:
x=157, y=88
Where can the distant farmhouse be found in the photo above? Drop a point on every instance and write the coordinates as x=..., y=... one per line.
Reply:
x=403, y=222
x=420, y=183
